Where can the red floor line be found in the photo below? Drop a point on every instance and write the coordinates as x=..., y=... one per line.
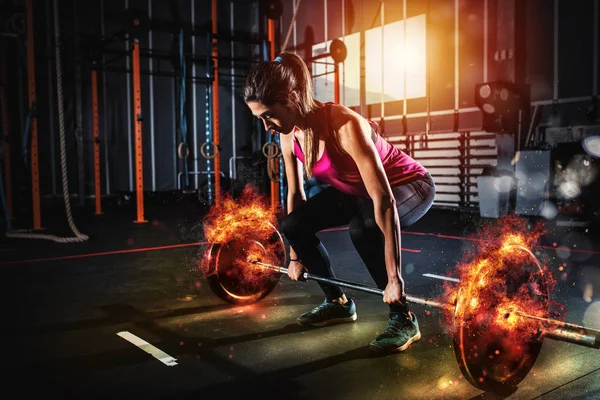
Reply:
x=475, y=240
x=441, y=236
x=479, y=240
x=106, y=253
x=199, y=243
x=571, y=250
x=345, y=228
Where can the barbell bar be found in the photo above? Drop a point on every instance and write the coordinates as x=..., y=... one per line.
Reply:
x=563, y=331
x=353, y=285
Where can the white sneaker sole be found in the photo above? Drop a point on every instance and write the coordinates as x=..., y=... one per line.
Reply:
x=330, y=321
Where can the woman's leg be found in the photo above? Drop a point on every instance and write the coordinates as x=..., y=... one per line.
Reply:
x=413, y=200
x=327, y=209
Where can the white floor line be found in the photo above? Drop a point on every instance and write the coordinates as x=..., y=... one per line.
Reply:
x=444, y=278
x=148, y=348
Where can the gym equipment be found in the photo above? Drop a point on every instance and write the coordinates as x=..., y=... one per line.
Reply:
x=495, y=342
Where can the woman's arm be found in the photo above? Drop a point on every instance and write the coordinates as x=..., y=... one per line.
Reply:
x=355, y=139
x=294, y=176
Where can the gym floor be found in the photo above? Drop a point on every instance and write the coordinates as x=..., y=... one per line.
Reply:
x=66, y=303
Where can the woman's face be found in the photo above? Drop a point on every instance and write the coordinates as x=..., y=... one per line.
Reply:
x=276, y=117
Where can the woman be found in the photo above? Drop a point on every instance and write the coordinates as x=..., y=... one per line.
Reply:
x=373, y=187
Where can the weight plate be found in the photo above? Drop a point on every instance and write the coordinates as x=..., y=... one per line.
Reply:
x=496, y=348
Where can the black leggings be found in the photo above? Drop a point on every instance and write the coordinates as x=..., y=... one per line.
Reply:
x=330, y=208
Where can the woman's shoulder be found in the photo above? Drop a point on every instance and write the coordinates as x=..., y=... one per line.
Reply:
x=343, y=117
x=340, y=115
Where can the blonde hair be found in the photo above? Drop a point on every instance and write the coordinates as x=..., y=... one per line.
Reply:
x=286, y=81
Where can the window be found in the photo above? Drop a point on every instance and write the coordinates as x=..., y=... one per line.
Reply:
x=399, y=57
x=397, y=60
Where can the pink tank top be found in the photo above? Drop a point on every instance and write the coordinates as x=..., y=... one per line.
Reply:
x=340, y=171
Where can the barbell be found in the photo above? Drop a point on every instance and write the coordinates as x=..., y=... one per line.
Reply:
x=496, y=340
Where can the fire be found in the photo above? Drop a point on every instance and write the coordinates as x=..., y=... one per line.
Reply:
x=501, y=302
x=241, y=233
x=238, y=219
x=501, y=282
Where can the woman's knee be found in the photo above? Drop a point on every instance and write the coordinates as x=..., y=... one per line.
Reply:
x=363, y=229
x=292, y=226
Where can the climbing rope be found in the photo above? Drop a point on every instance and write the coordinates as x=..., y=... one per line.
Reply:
x=79, y=237
x=287, y=36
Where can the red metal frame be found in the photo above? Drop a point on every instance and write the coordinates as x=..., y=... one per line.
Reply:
x=275, y=166
x=35, y=177
x=96, y=142
x=336, y=83
x=137, y=117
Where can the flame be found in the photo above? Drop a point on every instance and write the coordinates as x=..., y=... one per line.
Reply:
x=501, y=282
x=241, y=232
x=236, y=219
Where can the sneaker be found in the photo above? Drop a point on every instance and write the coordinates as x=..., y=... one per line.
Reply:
x=400, y=333
x=328, y=314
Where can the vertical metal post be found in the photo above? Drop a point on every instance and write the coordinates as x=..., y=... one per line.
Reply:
x=326, y=65
x=485, y=40
x=595, y=50
x=137, y=109
x=294, y=29
x=555, y=86
x=208, y=118
x=336, y=83
x=215, y=94
x=5, y=129
x=78, y=110
x=428, y=72
x=275, y=171
x=105, y=109
x=97, y=190
x=233, y=171
x=456, y=65
x=194, y=106
x=151, y=97
x=462, y=159
x=172, y=100
x=362, y=78
x=404, y=18
x=382, y=98
x=50, y=95
x=128, y=77
x=35, y=178
x=344, y=40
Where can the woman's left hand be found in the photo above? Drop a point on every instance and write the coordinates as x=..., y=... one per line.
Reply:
x=393, y=292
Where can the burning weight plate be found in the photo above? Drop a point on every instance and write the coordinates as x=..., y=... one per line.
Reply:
x=494, y=345
x=235, y=279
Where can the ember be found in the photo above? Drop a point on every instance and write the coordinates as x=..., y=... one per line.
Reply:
x=502, y=285
x=241, y=232
x=502, y=276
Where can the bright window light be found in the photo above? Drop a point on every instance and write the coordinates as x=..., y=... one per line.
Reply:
x=397, y=60
x=399, y=57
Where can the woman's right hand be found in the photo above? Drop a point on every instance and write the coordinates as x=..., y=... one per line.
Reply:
x=295, y=270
